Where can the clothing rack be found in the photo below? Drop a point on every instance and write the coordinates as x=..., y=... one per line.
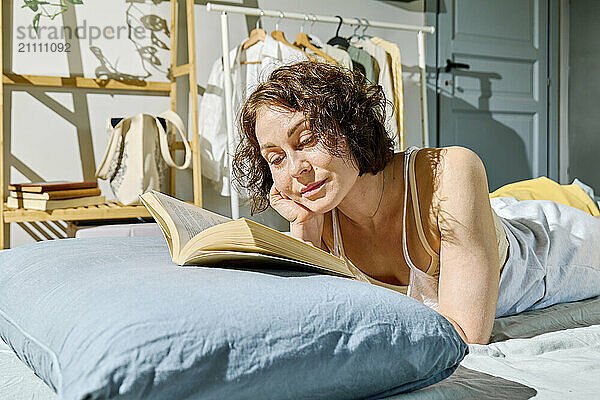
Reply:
x=224, y=10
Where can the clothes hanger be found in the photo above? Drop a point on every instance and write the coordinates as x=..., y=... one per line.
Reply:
x=311, y=35
x=303, y=41
x=362, y=34
x=257, y=35
x=337, y=40
x=313, y=18
x=280, y=37
x=355, y=32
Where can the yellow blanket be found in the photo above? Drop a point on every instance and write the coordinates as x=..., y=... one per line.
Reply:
x=543, y=188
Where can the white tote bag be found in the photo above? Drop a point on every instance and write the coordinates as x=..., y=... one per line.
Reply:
x=137, y=155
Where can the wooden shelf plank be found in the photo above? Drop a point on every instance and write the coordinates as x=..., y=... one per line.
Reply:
x=85, y=83
x=180, y=70
x=179, y=146
x=111, y=210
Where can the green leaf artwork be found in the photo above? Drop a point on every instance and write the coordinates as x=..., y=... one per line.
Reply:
x=40, y=7
x=33, y=4
x=36, y=21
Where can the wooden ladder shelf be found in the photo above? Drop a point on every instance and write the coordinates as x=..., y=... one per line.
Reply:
x=111, y=209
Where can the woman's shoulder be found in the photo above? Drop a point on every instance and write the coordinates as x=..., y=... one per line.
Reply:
x=443, y=162
x=459, y=155
x=460, y=165
x=454, y=155
x=440, y=168
x=460, y=178
x=446, y=171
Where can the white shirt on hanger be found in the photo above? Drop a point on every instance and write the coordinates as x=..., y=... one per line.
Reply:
x=212, y=121
x=385, y=81
x=340, y=56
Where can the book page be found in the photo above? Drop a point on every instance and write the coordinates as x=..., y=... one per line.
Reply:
x=189, y=219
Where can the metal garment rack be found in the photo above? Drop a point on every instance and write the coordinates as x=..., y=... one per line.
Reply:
x=224, y=10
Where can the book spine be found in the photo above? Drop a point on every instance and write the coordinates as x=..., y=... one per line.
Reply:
x=43, y=187
x=56, y=195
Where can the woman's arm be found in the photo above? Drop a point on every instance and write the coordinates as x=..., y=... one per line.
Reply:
x=469, y=270
x=309, y=231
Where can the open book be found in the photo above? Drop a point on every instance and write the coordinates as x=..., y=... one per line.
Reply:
x=199, y=236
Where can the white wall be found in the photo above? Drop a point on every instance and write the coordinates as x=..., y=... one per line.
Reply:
x=45, y=124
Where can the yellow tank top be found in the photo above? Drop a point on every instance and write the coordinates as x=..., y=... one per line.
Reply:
x=422, y=286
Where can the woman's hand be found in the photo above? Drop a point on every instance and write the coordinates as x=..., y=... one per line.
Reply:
x=288, y=208
x=305, y=225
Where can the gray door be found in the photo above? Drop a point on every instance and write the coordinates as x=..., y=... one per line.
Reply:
x=492, y=84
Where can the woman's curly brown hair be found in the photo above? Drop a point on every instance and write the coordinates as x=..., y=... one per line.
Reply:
x=338, y=104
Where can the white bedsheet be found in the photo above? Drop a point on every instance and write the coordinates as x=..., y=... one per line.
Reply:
x=544, y=354
x=17, y=381
x=120, y=230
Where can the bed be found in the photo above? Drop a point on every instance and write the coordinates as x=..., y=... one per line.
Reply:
x=547, y=354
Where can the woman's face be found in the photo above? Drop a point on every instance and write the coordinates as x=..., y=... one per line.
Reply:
x=302, y=168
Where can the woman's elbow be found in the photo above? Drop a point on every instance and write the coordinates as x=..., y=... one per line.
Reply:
x=478, y=340
x=469, y=337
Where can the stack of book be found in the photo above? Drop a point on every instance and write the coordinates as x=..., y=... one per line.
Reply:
x=47, y=196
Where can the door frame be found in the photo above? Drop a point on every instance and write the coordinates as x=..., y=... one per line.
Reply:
x=431, y=10
x=563, y=114
x=557, y=134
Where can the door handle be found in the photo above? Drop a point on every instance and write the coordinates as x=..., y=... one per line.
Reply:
x=450, y=65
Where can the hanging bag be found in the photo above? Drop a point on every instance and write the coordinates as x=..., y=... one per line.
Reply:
x=137, y=157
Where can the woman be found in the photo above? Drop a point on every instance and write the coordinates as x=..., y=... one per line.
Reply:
x=314, y=147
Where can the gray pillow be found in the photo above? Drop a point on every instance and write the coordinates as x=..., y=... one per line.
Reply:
x=115, y=318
